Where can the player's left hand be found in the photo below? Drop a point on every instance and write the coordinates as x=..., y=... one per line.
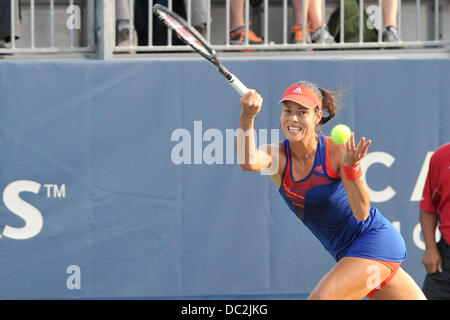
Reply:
x=353, y=154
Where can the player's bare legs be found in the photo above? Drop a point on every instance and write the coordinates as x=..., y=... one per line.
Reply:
x=350, y=279
x=401, y=287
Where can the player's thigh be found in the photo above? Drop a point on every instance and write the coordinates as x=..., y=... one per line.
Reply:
x=401, y=287
x=350, y=278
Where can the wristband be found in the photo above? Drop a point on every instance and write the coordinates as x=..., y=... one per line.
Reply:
x=353, y=172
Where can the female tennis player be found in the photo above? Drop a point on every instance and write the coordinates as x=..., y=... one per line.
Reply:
x=321, y=183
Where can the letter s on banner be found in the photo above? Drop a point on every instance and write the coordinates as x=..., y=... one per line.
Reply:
x=378, y=157
x=31, y=215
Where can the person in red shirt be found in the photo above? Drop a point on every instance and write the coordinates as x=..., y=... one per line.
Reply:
x=434, y=208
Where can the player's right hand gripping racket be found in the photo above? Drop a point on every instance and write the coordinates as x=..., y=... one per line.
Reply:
x=192, y=38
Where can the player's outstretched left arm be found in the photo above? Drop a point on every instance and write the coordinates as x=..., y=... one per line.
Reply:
x=351, y=174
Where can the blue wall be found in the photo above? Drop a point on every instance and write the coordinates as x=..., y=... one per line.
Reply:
x=125, y=220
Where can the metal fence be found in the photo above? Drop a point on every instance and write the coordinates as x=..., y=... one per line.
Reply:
x=43, y=29
x=89, y=26
x=266, y=18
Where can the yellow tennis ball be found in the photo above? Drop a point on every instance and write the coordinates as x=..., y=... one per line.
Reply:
x=341, y=133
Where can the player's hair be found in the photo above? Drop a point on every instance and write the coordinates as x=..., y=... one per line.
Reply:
x=330, y=101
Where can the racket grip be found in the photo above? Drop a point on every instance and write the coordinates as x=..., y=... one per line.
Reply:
x=238, y=85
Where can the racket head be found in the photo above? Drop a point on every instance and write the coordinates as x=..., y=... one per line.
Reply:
x=186, y=32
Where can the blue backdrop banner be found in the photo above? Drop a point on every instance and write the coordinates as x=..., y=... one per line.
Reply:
x=120, y=179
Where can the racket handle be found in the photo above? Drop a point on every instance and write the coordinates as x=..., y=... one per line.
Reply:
x=238, y=85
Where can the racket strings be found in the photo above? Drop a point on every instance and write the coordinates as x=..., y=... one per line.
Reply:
x=184, y=33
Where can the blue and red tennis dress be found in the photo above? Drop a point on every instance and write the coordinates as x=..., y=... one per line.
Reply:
x=320, y=201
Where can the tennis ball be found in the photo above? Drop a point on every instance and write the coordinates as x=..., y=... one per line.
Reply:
x=341, y=133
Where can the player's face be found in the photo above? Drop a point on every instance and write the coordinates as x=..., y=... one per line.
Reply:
x=297, y=121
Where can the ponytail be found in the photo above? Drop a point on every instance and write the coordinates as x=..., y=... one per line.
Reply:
x=328, y=104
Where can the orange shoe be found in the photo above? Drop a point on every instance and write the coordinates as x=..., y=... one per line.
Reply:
x=297, y=34
x=237, y=36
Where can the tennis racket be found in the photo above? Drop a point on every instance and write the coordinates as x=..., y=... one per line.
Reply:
x=192, y=38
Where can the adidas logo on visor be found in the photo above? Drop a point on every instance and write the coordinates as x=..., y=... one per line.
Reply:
x=297, y=90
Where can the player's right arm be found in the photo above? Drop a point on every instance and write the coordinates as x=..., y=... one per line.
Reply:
x=268, y=159
x=249, y=157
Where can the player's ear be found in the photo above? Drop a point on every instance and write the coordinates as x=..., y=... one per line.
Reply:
x=318, y=116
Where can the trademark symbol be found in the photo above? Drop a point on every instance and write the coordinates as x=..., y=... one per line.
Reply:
x=55, y=191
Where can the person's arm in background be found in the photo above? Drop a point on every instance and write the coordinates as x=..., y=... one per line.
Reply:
x=431, y=259
x=428, y=218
